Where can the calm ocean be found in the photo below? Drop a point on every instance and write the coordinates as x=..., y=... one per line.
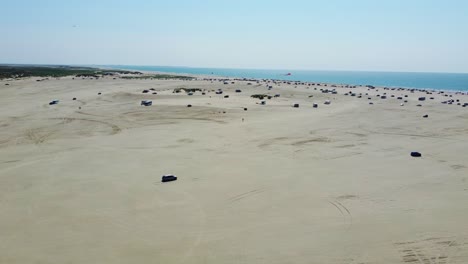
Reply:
x=438, y=81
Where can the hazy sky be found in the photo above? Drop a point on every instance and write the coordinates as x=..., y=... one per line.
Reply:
x=387, y=35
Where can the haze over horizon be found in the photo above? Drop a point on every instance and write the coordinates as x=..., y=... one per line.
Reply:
x=400, y=36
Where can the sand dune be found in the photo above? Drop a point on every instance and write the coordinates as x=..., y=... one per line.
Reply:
x=80, y=180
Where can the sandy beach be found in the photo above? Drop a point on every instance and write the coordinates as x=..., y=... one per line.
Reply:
x=80, y=181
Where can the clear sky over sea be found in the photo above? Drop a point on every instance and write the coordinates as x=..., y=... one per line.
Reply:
x=384, y=35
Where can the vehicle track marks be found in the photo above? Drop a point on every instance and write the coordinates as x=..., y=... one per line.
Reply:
x=344, y=211
x=245, y=195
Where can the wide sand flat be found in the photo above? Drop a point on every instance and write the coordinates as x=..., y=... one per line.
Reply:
x=334, y=184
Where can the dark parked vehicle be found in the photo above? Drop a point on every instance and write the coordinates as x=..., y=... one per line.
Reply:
x=168, y=178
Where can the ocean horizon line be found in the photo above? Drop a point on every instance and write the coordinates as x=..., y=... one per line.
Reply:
x=226, y=68
x=268, y=69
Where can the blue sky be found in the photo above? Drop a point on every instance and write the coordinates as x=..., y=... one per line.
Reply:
x=385, y=35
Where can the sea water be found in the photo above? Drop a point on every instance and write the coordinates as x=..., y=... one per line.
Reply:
x=437, y=81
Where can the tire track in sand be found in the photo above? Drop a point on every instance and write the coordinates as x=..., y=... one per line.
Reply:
x=344, y=211
x=115, y=129
x=245, y=195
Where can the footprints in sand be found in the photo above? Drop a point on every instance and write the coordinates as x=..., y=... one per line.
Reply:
x=434, y=250
x=37, y=135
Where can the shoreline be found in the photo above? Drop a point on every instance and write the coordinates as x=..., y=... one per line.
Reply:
x=286, y=80
x=341, y=85
x=276, y=78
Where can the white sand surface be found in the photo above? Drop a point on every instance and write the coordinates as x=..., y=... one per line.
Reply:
x=334, y=184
